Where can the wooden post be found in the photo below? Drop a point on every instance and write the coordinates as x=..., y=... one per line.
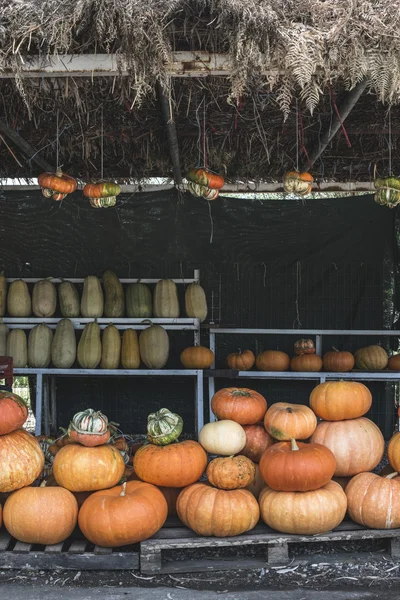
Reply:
x=169, y=122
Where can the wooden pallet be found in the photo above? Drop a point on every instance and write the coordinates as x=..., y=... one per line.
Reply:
x=276, y=548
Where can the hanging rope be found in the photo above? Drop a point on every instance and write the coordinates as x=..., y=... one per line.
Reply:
x=390, y=142
x=58, y=142
x=102, y=143
x=297, y=136
x=297, y=322
x=204, y=136
x=211, y=221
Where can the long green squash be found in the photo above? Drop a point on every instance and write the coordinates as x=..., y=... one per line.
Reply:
x=114, y=295
x=39, y=346
x=17, y=347
x=110, y=348
x=63, y=348
x=44, y=298
x=68, y=298
x=18, y=299
x=3, y=294
x=139, y=302
x=154, y=347
x=165, y=300
x=92, y=301
x=89, y=347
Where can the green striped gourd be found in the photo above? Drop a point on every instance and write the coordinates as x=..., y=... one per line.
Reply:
x=3, y=338
x=139, y=303
x=63, y=347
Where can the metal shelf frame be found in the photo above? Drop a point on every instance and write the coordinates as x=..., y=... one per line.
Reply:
x=319, y=377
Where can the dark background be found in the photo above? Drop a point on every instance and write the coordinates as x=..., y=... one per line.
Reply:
x=317, y=264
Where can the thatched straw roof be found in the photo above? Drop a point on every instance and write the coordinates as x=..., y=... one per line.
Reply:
x=282, y=52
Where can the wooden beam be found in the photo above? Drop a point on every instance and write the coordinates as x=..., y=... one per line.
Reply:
x=25, y=147
x=166, y=111
x=345, y=106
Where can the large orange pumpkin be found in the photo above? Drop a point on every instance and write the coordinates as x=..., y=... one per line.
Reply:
x=393, y=451
x=339, y=400
x=336, y=361
x=197, y=357
x=21, y=460
x=241, y=361
x=175, y=465
x=13, y=412
x=122, y=515
x=82, y=469
x=231, y=472
x=242, y=405
x=272, y=360
x=41, y=515
x=222, y=513
x=371, y=358
x=297, y=467
x=357, y=444
x=257, y=440
x=304, y=513
x=308, y=363
x=374, y=501
x=285, y=421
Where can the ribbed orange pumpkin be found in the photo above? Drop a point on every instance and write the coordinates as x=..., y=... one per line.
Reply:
x=13, y=412
x=336, y=361
x=222, y=513
x=125, y=514
x=357, y=444
x=394, y=363
x=57, y=182
x=285, y=421
x=231, y=472
x=297, y=467
x=257, y=440
x=339, y=400
x=197, y=357
x=242, y=405
x=309, y=363
x=393, y=451
x=175, y=465
x=241, y=361
x=21, y=460
x=273, y=360
x=374, y=501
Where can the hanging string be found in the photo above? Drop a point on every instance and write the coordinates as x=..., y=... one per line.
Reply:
x=390, y=142
x=102, y=142
x=211, y=221
x=58, y=142
x=204, y=136
x=297, y=322
x=200, y=162
x=297, y=136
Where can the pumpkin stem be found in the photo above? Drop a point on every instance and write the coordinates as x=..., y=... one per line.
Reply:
x=335, y=349
x=123, y=492
x=241, y=392
x=392, y=475
x=294, y=445
x=59, y=172
x=289, y=410
x=44, y=483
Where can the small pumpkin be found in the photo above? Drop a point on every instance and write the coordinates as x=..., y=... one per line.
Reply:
x=103, y=190
x=197, y=357
x=223, y=437
x=241, y=361
x=374, y=501
x=242, y=405
x=272, y=360
x=13, y=412
x=163, y=427
x=257, y=440
x=336, y=361
x=394, y=363
x=308, y=363
x=304, y=346
x=231, y=473
x=297, y=183
x=206, y=178
x=285, y=421
x=89, y=428
x=371, y=358
x=297, y=467
x=57, y=184
x=339, y=400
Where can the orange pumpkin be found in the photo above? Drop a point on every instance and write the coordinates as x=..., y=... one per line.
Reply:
x=125, y=514
x=101, y=190
x=304, y=347
x=304, y=513
x=309, y=363
x=221, y=513
x=241, y=361
x=257, y=440
x=231, y=473
x=82, y=469
x=176, y=465
x=171, y=495
x=394, y=363
x=242, y=405
x=272, y=360
x=297, y=183
x=393, y=451
x=51, y=183
x=21, y=460
x=206, y=178
x=197, y=357
x=336, y=361
x=297, y=467
x=285, y=421
x=371, y=358
x=374, y=501
x=357, y=444
x=13, y=412
x=339, y=400
x=41, y=515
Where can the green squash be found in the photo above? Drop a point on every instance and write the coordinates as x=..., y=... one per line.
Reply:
x=163, y=427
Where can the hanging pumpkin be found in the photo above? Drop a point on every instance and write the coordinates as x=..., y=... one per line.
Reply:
x=206, y=178
x=102, y=194
x=297, y=183
x=103, y=202
x=163, y=427
x=89, y=428
x=387, y=191
x=202, y=191
x=304, y=347
x=57, y=185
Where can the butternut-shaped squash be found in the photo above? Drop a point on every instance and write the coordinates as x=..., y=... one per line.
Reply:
x=92, y=301
x=3, y=338
x=68, y=297
x=17, y=347
x=39, y=346
x=130, y=355
x=154, y=347
x=110, y=348
x=196, y=302
x=114, y=295
x=18, y=299
x=89, y=347
x=139, y=302
x=165, y=300
x=3, y=294
x=63, y=347
x=44, y=298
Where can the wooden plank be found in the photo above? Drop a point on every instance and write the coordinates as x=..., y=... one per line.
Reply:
x=101, y=550
x=55, y=548
x=395, y=548
x=65, y=560
x=210, y=564
x=278, y=554
x=78, y=547
x=150, y=559
x=5, y=540
x=21, y=547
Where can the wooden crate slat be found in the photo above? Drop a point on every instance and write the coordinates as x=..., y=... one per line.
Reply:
x=54, y=548
x=5, y=540
x=68, y=561
x=21, y=547
x=78, y=547
x=102, y=550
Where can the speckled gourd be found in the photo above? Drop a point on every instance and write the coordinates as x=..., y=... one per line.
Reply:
x=44, y=298
x=3, y=338
x=17, y=347
x=63, y=347
x=18, y=299
x=130, y=354
x=110, y=348
x=39, y=346
x=68, y=298
x=165, y=300
x=3, y=294
x=114, y=305
x=92, y=301
x=196, y=302
x=139, y=302
x=154, y=347
x=89, y=347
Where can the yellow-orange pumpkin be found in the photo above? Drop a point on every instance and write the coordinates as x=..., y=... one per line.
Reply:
x=231, y=472
x=285, y=421
x=242, y=405
x=197, y=357
x=339, y=400
x=374, y=501
x=272, y=360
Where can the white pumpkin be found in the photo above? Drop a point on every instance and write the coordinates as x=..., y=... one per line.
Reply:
x=223, y=437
